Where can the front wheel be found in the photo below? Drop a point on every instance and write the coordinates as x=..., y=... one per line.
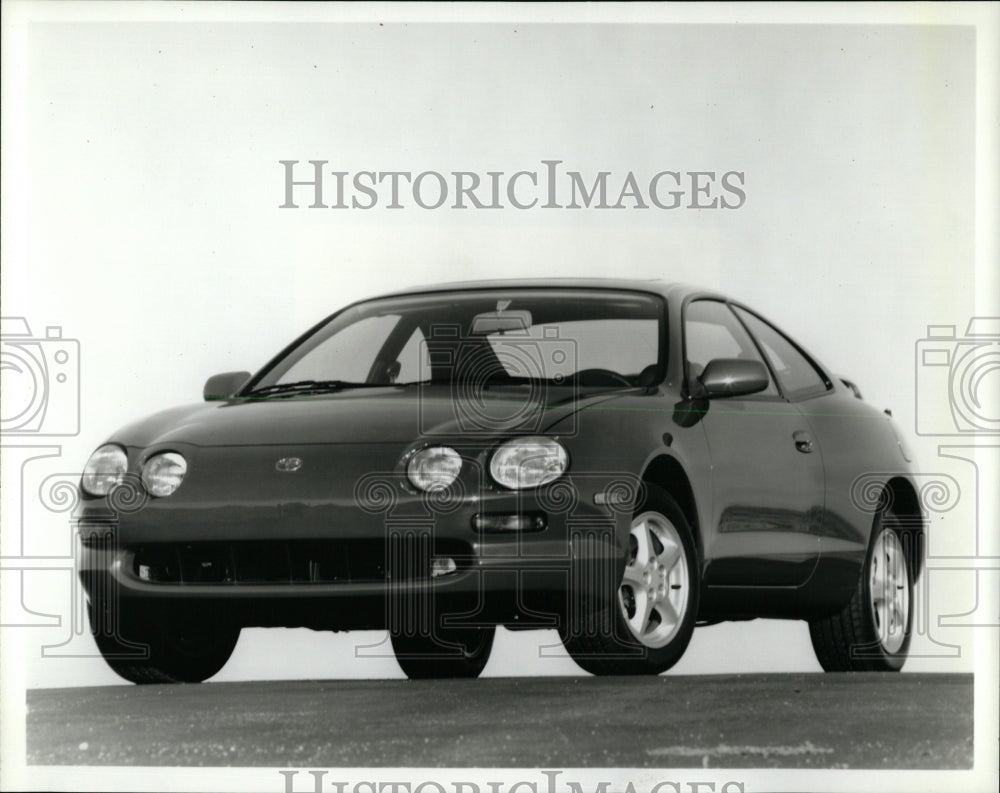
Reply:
x=173, y=649
x=872, y=632
x=446, y=652
x=643, y=622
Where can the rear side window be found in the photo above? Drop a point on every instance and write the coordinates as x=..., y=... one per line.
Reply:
x=796, y=374
x=711, y=331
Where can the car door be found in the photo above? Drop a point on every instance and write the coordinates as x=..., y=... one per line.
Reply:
x=767, y=469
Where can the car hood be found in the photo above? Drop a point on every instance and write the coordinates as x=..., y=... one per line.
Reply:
x=369, y=415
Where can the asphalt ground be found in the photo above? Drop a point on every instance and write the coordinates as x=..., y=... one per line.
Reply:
x=870, y=721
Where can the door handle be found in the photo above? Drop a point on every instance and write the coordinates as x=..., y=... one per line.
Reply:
x=803, y=441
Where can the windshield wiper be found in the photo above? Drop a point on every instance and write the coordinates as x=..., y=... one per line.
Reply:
x=306, y=387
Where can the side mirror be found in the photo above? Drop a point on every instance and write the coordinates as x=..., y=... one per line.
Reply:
x=223, y=386
x=726, y=377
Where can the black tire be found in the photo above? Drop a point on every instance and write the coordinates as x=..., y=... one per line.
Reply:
x=609, y=635
x=870, y=634
x=449, y=652
x=174, y=649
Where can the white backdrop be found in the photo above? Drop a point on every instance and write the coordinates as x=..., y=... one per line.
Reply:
x=141, y=215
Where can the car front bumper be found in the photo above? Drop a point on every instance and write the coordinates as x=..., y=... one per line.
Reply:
x=351, y=564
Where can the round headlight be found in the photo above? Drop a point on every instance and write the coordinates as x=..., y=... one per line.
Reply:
x=434, y=468
x=528, y=462
x=105, y=469
x=163, y=473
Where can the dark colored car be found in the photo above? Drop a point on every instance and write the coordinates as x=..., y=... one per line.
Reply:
x=619, y=460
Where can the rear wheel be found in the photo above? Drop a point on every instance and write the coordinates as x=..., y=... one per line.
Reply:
x=171, y=649
x=643, y=622
x=872, y=632
x=447, y=652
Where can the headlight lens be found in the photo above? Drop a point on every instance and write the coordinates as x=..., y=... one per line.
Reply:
x=163, y=473
x=528, y=462
x=434, y=468
x=104, y=470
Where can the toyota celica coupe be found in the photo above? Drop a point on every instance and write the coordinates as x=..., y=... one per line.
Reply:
x=621, y=461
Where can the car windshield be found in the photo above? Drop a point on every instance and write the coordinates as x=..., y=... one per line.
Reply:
x=488, y=338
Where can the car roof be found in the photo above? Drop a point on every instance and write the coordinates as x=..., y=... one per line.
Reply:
x=652, y=285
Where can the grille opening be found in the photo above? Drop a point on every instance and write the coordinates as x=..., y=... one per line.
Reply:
x=292, y=562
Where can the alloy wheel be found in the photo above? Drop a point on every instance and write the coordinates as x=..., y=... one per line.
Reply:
x=889, y=589
x=654, y=591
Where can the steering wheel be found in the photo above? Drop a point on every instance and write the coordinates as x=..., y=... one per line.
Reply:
x=600, y=374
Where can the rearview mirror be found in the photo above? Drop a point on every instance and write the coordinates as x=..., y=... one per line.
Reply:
x=726, y=377
x=501, y=322
x=223, y=386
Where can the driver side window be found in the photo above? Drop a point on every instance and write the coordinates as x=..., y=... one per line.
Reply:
x=798, y=376
x=711, y=331
x=414, y=360
x=348, y=355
